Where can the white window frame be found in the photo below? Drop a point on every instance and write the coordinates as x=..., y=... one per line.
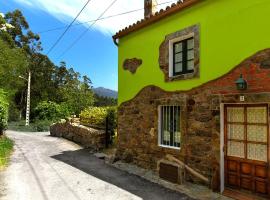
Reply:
x=171, y=42
x=160, y=128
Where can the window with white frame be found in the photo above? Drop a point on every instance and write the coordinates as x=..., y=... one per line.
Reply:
x=181, y=56
x=169, y=126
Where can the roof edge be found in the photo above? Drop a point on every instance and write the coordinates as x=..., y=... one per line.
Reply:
x=170, y=10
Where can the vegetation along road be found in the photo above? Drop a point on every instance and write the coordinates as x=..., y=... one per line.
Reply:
x=43, y=167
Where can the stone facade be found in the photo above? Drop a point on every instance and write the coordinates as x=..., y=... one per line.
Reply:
x=87, y=137
x=200, y=118
x=164, y=57
x=132, y=64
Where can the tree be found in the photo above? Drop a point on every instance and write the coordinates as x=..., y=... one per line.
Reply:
x=21, y=53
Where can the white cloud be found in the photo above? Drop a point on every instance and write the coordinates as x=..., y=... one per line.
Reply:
x=66, y=10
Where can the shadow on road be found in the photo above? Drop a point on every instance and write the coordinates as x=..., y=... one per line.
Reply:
x=84, y=161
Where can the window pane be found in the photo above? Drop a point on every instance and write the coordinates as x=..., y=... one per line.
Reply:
x=190, y=54
x=236, y=132
x=178, y=67
x=190, y=65
x=170, y=124
x=257, y=133
x=178, y=57
x=236, y=149
x=235, y=114
x=177, y=136
x=178, y=47
x=190, y=44
x=257, y=152
x=257, y=115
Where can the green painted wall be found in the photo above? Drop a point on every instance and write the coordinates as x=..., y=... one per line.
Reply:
x=230, y=31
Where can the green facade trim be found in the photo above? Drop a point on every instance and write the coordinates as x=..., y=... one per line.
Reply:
x=230, y=31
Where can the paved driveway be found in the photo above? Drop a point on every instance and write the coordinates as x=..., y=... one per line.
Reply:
x=48, y=168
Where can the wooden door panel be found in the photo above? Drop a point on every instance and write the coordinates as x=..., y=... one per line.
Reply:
x=261, y=171
x=246, y=183
x=246, y=169
x=246, y=160
x=261, y=187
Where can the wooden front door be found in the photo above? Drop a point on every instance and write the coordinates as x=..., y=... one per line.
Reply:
x=247, y=148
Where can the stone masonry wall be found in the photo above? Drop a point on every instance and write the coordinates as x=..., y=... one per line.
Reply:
x=200, y=118
x=87, y=137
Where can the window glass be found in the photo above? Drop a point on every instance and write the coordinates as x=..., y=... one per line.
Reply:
x=178, y=47
x=183, y=57
x=190, y=44
x=190, y=65
x=178, y=67
x=170, y=134
x=178, y=57
x=190, y=54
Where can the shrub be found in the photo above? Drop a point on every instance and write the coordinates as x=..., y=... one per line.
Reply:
x=94, y=116
x=112, y=117
x=3, y=111
x=13, y=113
x=42, y=126
x=50, y=111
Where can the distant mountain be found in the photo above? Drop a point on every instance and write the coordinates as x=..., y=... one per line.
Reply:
x=101, y=91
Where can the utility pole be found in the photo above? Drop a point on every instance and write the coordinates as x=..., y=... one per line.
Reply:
x=27, y=117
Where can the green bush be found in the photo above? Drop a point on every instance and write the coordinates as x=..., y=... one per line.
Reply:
x=13, y=113
x=50, y=111
x=3, y=111
x=42, y=126
x=94, y=116
x=112, y=117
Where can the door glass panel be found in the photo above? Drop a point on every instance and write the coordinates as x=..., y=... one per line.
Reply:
x=257, y=152
x=236, y=149
x=235, y=114
x=257, y=115
x=257, y=133
x=236, y=132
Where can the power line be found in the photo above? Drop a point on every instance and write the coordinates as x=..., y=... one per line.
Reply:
x=102, y=18
x=89, y=27
x=68, y=27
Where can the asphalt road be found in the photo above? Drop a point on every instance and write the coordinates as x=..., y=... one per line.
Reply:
x=48, y=168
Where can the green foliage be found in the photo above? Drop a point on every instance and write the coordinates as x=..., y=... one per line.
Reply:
x=50, y=111
x=6, y=146
x=3, y=111
x=104, y=101
x=94, y=116
x=42, y=125
x=112, y=117
x=21, y=53
x=37, y=125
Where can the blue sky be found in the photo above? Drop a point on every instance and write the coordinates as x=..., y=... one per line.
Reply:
x=95, y=54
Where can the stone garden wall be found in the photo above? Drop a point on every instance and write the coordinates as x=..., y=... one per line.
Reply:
x=200, y=118
x=85, y=136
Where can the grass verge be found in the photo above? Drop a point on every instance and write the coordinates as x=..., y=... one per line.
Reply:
x=6, y=146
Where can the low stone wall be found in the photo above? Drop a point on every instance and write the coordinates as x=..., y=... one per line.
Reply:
x=85, y=136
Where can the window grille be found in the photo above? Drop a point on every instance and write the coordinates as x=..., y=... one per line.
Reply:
x=170, y=126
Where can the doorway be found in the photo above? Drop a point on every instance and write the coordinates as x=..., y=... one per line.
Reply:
x=246, y=148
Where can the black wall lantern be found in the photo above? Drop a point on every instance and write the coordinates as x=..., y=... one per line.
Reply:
x=241, y=83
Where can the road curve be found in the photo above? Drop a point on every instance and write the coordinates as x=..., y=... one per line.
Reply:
x=48, y=168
